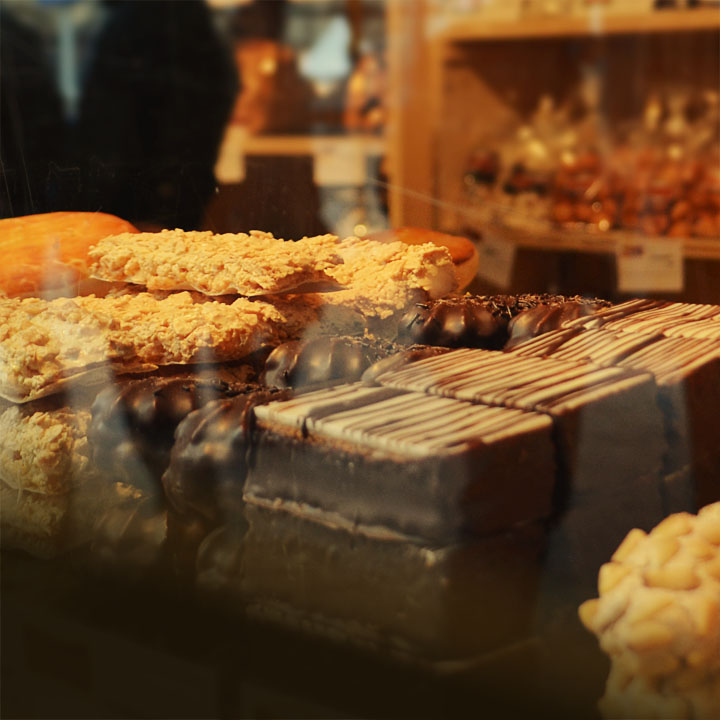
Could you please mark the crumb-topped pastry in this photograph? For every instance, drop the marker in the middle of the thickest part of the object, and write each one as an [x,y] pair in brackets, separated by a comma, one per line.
[382,279]
[44,343]
[658,617]
[250,264]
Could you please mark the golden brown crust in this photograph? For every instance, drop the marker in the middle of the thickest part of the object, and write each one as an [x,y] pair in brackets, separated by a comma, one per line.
[44,452]
[43,343]
[382,279]
[658,617]
[47,253]
[245,264]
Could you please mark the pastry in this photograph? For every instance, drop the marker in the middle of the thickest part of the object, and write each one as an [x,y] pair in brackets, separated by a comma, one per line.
[463,252]
[658,618]
[687,374]
[46,254]
[250,265]
[47,343]
[322,360]
[419,465]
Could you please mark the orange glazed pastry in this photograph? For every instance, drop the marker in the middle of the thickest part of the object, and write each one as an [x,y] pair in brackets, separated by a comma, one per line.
[47,253]
[462,251]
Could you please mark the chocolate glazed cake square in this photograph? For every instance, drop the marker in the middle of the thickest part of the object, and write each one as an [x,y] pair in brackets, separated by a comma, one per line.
[427,467]
[609,442]
[386,591]
[687,374]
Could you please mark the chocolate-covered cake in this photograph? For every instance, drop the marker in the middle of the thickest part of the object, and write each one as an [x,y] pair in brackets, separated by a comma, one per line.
[322,360]
[208,462]
[486,321]
[687,374]
[133,423]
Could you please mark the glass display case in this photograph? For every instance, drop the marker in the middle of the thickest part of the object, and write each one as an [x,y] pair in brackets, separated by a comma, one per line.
[360,358]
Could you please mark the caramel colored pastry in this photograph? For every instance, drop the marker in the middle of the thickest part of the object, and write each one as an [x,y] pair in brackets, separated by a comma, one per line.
[658,618]
[44,452]
[46,343]
[47,253]
[322,360]
[463,252]
[245,264]
[384,279]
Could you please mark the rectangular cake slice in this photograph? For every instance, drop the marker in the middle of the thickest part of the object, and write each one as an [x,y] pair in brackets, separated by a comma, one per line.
[424,466]
[601,416]
[244,264]
[397,596]
[687,373]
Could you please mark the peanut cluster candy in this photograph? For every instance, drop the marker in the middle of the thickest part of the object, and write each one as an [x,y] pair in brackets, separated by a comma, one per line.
[252,264]
[658,617]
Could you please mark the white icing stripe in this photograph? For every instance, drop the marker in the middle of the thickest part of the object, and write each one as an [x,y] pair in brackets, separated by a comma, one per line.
[509,379]
[410,424]
[669,359]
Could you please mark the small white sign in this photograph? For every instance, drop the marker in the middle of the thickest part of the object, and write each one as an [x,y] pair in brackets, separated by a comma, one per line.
[339,162]
[230,164]
[497,260]
[650,266]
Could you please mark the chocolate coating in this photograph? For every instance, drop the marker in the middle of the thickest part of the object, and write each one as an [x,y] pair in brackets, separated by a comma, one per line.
[208,462]
[544,318]
[133,423]
[453,323]
[400,360]
[322,360]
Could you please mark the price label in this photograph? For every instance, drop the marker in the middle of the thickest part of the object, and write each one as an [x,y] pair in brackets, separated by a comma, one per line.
[339,162]
[497,260]
[230,164]
[650,266]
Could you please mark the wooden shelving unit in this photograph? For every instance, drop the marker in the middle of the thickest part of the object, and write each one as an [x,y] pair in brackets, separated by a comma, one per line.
[477,28]
[459,82]
[289,145]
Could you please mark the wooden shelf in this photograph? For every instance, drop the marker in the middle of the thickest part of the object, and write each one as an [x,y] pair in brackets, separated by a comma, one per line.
[542,237]
[289,145]
[475,27]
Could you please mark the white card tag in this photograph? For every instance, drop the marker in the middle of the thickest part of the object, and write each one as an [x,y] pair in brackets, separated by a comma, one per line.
[497,260]
[230,164]
[339,161]
[650,266]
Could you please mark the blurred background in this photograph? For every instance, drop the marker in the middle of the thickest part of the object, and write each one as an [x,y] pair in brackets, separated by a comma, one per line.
[576,141]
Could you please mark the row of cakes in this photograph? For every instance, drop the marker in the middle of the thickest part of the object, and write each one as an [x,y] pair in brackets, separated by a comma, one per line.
[367,484]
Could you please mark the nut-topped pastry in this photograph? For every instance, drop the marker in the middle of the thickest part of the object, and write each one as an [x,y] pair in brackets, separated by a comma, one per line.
[658,617]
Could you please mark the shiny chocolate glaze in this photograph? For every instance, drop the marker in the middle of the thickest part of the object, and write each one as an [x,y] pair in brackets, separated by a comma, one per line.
[453,322]
[208,462]
[544,318]
[133,423]
[322,360]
